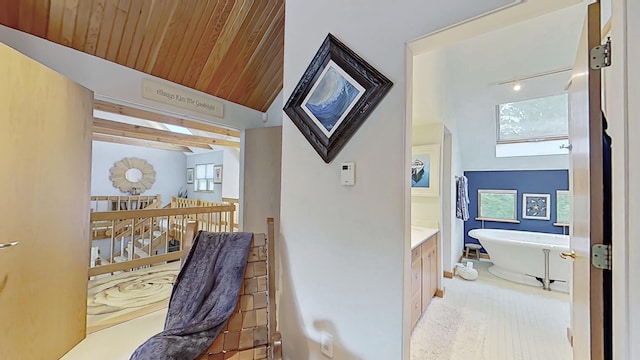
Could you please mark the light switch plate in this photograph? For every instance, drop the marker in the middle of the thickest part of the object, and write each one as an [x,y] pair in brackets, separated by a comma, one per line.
[348,173]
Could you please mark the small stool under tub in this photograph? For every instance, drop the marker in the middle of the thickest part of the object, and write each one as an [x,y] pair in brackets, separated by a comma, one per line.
[473,247]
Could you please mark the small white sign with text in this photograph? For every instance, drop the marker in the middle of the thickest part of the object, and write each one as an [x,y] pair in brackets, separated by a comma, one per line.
[173,96]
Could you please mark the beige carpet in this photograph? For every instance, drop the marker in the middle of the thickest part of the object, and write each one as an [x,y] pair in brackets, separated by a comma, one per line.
[493,319]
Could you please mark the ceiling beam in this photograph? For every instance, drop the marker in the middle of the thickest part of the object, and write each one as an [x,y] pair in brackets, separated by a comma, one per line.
[165,119]
[140,132]
[112,132]
[137,142]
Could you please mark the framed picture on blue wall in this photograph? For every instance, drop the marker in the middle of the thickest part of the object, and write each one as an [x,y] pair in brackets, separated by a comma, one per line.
[563,207]
[536,206]
[425,170]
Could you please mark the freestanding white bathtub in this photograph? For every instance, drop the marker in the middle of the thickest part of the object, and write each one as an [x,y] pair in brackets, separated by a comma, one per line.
[520,256]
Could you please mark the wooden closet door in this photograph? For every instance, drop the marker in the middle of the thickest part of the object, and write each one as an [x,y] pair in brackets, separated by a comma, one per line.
[45,153]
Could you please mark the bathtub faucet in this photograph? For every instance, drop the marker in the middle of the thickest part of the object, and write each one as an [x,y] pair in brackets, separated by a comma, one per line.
[546,283]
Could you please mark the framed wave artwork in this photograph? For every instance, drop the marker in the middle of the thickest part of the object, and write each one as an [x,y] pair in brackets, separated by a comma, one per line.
[336,94]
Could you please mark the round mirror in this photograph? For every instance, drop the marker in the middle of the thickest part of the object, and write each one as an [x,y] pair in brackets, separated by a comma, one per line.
[133,175]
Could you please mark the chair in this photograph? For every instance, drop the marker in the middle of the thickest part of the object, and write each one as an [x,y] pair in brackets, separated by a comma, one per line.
[476,251]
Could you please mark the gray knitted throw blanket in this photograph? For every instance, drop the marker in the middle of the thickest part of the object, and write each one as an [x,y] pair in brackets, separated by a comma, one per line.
[203,297]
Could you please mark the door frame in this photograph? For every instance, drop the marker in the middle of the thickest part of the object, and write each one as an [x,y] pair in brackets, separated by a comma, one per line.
[509,15]
[618,86]
[626,298]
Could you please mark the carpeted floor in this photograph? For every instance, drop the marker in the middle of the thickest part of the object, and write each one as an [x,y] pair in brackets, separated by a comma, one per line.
[493,319]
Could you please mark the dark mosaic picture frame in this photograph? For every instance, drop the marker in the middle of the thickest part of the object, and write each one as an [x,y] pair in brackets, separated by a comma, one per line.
[362,88]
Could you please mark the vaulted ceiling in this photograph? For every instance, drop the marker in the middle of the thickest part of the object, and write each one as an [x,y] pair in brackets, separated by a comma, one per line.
[232,49]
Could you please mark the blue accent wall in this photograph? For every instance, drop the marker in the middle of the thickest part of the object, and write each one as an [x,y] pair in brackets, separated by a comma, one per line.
[526,182]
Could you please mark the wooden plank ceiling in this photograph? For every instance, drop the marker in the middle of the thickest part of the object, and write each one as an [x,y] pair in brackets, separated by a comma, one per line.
[232,49]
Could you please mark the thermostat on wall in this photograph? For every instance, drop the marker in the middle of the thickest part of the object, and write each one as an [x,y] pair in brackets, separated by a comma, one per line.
[348,173]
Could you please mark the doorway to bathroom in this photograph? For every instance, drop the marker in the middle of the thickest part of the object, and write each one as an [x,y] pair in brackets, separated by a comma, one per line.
[465,87]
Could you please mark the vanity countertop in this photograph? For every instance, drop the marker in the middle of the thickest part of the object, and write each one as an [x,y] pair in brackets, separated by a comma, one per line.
[420,234]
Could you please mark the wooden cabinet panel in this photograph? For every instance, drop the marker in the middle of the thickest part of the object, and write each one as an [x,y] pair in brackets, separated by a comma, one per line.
[415,253]
[433,272]
[424,277]
[416,276]
[425,248]
[429,271]
[416,309]
[416,285]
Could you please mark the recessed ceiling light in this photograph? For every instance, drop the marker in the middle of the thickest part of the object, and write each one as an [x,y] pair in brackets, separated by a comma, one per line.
[517,86]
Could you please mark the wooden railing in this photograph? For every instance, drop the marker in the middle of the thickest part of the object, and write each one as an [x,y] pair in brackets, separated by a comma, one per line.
[140,238]
[119,203]
[257,300]
[275,338]
[236,203]
[177,202]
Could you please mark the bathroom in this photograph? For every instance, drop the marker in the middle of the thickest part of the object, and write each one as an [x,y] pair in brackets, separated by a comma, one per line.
[465,121]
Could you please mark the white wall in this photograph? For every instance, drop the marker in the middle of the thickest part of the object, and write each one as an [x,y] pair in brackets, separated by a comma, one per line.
[434,100]
[231,173]
[262,164]
[433,97]
[209,157]
[274,113]
[474,66]
[622,84]
[230,187]
[450,242]
[168,165]
[542,44]
[344,249]
[117,83]
[261,189]
[425,210]
[633,199]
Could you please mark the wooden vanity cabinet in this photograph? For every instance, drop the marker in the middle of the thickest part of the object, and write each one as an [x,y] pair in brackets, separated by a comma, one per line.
[429,271]
[416,285]
[424,276]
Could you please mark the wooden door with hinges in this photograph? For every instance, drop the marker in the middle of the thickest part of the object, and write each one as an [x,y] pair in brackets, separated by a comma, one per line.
[45,152]
[587,332]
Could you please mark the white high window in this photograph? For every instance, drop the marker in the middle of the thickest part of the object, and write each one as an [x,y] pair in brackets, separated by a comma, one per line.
[533,127]
[204,178]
